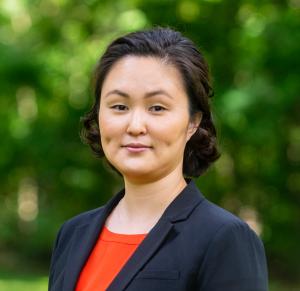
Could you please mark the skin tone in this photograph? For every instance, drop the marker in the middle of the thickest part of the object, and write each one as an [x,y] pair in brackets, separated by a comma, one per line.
[144,125]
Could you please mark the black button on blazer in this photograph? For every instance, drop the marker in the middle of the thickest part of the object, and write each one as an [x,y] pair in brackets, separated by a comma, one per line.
[195,245]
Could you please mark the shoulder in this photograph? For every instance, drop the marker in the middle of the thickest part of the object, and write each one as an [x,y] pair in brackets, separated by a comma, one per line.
[66,230]
[233,252]
[80,219]
[213,218]
[83,217]
[213,227]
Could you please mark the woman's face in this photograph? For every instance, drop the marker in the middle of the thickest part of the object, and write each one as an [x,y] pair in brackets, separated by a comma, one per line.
[144,118]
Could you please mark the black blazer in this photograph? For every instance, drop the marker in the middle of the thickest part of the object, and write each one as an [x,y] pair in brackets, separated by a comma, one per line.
[195,245]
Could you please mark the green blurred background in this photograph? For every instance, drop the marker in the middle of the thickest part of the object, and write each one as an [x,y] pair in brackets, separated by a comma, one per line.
[48,50]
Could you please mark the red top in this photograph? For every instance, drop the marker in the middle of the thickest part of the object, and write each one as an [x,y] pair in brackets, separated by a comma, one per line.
[111,252]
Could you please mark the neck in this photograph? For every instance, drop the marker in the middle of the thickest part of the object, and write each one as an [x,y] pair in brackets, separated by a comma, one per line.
[143,204]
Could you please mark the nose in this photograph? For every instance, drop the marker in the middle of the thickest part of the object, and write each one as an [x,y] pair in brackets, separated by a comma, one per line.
[136,123]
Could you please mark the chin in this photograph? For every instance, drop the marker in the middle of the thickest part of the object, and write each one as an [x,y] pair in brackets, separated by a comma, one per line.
[136,173]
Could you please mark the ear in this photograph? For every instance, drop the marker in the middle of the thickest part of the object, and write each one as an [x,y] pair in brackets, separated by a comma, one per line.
[193,125]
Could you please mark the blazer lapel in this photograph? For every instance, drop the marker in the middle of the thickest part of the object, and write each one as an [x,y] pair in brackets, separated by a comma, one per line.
[180,208]
[83,241]
[140,257]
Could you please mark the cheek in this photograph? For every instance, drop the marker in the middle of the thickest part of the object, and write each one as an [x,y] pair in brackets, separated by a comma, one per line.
[172,132]
[109,127]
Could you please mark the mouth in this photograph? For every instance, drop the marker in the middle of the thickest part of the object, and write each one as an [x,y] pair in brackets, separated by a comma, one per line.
[136,147]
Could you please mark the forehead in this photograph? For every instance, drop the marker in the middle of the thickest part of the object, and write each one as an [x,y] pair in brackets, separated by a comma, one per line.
[143,73]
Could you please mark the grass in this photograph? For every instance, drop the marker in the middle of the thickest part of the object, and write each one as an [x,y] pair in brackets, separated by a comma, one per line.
[277,286]
[10,282]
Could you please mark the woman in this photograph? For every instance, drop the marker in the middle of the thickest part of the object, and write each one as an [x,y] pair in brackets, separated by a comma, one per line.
[152,122]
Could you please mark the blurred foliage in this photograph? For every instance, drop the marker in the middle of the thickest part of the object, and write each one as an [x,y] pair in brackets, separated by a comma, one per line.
[48,49]
[14,282]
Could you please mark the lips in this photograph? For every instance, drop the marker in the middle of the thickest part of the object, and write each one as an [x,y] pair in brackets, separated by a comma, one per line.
[136,145]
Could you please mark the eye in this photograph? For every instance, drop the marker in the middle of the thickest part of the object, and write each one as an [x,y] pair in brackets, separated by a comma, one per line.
[119,107]
[157,108]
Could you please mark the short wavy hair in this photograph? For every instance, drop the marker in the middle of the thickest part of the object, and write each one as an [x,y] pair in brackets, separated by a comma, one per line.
[175,49]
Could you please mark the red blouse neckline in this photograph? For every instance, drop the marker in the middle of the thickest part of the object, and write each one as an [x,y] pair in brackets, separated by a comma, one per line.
[108,235]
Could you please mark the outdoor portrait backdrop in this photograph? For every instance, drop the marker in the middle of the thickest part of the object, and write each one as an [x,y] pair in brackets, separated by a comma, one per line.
[48,51]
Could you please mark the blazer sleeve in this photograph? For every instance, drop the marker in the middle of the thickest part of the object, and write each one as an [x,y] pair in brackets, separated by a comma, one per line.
[235,261]
[54,258]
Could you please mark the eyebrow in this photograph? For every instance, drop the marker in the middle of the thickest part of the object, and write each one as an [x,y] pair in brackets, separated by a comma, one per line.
[147,95]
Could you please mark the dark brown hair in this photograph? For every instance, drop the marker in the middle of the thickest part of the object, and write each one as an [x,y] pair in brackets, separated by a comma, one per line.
[177,50]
